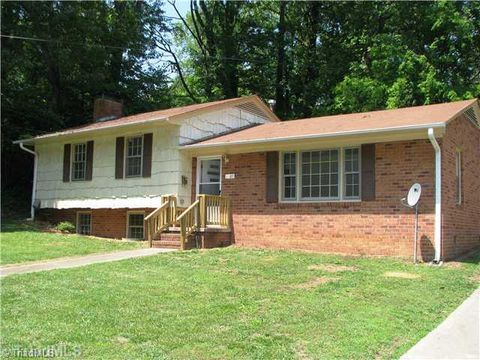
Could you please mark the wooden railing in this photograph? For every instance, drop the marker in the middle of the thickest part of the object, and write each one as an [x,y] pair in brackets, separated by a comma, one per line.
[206,211]
[162,217]
[189,223]
[215,210]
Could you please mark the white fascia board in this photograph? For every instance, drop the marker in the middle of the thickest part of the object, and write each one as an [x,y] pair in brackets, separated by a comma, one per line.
[80,131]
[318,136]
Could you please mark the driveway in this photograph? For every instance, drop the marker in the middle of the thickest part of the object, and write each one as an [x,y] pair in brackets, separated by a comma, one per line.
[457,338]
[77,261]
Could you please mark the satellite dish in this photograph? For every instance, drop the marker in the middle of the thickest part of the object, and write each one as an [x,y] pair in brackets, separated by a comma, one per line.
[414,194]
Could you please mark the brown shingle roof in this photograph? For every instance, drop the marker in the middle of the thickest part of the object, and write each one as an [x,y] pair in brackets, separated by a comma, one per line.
[383,120]
[171,113]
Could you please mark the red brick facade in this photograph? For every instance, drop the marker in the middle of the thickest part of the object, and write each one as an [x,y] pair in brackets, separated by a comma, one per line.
[111,223]
[460,222]
[379,227]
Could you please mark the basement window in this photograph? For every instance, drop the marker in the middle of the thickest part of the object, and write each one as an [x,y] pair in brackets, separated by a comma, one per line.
[134,156]
[458,176]
[84,223]
[79,162]
[135,226]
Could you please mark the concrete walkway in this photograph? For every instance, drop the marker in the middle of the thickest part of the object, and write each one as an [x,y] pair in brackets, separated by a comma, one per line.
[77,261]
[457,338]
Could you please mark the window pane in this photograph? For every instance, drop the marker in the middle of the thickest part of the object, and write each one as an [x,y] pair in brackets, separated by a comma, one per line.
[135,226]
[321,168]
[79,161]
[84,224]
[134,156]
[209,189]
[289,175]
[352,173]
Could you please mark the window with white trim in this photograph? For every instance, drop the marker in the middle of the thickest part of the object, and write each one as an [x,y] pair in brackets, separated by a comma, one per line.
[135,226]
[84,223]
[319,174]
[458,176]
[351,173]
[289,176]
[134,156]
[79,162]
[330,174]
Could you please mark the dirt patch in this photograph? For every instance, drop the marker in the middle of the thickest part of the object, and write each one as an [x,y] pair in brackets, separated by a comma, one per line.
[332,268]
[401,275]
[453,264]
[475,278]
[313,283]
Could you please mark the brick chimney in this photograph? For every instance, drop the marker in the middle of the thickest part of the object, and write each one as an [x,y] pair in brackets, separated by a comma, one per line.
[106,109]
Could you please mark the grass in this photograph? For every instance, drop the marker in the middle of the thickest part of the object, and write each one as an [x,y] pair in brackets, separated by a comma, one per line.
[234,304]
[23,242]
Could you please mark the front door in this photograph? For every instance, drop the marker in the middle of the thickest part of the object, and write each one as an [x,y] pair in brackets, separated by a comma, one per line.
[209,179]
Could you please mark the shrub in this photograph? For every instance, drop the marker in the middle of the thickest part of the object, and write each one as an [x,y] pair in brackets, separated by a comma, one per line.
[65,226]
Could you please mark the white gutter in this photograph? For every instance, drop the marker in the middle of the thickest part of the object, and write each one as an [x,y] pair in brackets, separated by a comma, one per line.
[34,186]
[199,145]
[438,195]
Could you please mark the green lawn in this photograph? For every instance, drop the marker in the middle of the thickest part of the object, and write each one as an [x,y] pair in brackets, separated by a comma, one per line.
[234,304]
[22,242]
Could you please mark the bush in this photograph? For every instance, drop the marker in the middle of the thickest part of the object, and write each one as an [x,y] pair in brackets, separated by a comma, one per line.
[65,226]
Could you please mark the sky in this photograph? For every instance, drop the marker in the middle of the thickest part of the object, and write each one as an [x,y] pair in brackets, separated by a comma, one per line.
[183,7]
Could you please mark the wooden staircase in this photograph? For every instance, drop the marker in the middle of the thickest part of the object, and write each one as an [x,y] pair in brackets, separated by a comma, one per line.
[171,227]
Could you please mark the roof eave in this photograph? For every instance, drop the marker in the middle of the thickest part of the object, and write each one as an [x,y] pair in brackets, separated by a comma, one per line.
[439,127]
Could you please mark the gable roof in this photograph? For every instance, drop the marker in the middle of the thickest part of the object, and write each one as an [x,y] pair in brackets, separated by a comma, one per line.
[410,118]
[248,103]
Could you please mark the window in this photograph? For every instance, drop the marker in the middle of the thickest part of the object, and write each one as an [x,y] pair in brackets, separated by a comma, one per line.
[290,176]
[330,174]
[79,163]
[134,155]
[84,223]
[135,225]
[320,174]
[352,173]
[458,175]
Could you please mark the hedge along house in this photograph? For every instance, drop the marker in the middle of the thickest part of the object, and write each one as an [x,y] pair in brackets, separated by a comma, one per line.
[230,171]
[334,183]
[107,176]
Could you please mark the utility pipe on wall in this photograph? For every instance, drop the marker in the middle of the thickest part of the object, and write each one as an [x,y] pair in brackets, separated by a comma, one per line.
[34,186]
[438,195]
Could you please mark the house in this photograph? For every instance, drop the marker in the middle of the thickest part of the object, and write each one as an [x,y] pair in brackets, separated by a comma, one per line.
[230,171]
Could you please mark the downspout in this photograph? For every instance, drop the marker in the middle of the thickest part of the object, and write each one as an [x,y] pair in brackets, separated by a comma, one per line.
[438,196]
[34,186]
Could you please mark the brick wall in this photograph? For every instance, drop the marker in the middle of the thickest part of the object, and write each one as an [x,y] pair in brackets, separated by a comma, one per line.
[379,227]
[110,223]
[461,223]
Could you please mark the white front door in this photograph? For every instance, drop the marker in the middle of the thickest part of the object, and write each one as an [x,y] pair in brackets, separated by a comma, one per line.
[209,178]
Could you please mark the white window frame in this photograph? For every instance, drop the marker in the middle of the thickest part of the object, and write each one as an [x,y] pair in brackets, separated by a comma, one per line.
[282,176]
[125,163]
[72,161]
[134,212]
[77,227]
[344,186]
[199,169]
[341,177]
[458,177]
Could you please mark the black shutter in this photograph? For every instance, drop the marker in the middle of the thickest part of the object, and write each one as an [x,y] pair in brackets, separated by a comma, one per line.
[147,155]
[272,177]
[368,172]
[120,145]
[67,148]
[88,175]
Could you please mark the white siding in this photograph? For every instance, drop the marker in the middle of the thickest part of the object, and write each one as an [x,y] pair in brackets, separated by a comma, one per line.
[216,122]
[168,165]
